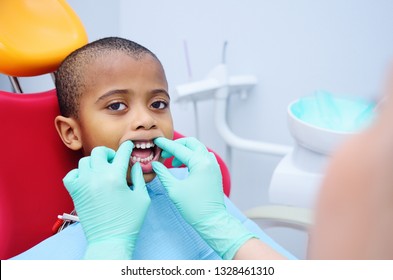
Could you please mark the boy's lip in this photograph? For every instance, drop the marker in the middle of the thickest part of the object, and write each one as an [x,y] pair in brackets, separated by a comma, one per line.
[145,152]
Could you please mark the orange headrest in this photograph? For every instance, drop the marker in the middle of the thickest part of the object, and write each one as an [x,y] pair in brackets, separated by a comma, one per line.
[35,36]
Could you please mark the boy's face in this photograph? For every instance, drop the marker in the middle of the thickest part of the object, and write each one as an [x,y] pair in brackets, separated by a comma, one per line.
[125,99]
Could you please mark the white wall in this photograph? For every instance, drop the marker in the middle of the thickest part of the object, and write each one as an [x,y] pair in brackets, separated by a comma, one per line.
[293,47]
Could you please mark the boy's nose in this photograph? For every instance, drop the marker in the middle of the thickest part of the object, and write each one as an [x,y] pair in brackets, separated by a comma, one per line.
[143,120]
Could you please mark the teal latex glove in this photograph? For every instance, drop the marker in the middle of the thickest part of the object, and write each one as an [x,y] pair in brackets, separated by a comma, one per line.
[111,213]
[200,197]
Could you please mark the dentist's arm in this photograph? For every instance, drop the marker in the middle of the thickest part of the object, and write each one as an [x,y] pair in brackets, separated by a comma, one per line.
[111,213]
[355,207]
[200,200]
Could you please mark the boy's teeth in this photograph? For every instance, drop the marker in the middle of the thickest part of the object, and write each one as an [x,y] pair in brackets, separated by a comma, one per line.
[147,145]
[149,158]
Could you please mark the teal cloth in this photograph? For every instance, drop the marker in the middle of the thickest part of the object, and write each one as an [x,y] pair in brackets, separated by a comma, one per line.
[164,235]
[340,114]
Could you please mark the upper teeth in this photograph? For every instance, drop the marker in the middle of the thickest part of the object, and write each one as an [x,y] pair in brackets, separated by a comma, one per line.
[146,145]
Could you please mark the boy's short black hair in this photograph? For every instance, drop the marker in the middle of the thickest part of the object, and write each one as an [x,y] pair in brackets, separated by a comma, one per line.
[69,78]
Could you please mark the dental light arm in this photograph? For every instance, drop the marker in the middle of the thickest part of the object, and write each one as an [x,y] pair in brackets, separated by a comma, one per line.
[235,141]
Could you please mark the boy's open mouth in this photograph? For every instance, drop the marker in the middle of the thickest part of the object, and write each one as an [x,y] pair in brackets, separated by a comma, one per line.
[144,152]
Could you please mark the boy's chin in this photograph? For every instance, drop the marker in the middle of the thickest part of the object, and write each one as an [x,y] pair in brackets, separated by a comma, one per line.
[149,177]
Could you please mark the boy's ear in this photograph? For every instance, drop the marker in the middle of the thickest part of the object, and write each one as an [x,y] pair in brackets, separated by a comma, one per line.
[69,132]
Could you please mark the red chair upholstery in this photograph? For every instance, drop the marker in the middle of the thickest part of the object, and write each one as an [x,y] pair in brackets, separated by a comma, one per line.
[33,163]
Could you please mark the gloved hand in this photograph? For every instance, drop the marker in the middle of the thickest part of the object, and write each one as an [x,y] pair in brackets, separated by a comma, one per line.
[200,197]
[111,213]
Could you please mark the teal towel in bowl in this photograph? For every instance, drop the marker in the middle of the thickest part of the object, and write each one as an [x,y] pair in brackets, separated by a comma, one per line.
[341,114]
[322,121]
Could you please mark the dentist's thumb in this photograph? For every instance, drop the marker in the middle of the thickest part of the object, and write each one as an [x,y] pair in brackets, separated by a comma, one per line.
[163,174]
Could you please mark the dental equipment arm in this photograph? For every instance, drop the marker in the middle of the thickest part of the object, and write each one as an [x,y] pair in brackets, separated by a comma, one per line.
[200,199]
[234,141]
[295,217]
[219,86]
[111,213]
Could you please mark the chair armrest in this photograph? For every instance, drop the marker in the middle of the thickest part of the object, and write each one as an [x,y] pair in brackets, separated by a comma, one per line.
[300,217]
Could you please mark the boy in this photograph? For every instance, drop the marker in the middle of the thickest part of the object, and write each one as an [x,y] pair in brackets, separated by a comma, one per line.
[113,96]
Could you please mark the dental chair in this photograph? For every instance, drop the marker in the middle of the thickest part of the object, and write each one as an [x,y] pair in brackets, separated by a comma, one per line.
[34,39]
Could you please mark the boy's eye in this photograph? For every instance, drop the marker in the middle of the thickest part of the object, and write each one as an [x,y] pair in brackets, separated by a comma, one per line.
[159,105]
[118,106]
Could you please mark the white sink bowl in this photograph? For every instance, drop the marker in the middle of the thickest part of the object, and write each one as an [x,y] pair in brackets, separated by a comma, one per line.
[322,129]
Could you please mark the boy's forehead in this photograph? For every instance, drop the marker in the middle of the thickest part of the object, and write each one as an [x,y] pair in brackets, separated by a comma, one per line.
[117,60]
[119,55]
[104,70]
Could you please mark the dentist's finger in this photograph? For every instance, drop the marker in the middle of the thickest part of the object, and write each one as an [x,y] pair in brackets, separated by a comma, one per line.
[165,154]
[176,162]
[84,163]
[189,142]
[179,151]
[166,178]
[69,181]
[138,182]
[122,157]
[192,143]
[101,156]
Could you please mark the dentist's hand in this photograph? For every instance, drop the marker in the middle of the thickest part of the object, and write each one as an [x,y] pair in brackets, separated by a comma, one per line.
[111,213]
[199,197]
